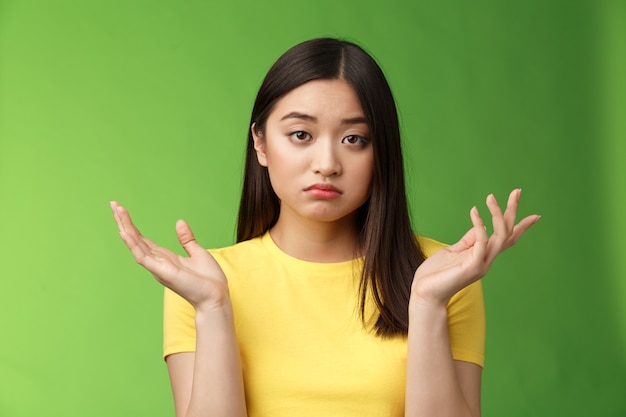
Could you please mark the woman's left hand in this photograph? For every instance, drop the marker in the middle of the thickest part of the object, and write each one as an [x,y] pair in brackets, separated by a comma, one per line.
[453,268]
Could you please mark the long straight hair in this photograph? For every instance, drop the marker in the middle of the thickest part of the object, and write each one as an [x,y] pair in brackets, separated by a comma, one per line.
[391,251]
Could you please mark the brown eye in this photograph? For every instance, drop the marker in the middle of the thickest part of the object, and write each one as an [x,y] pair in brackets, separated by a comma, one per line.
[354,140]
[300,136]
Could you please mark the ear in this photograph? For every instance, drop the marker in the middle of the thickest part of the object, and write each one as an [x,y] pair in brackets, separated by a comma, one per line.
[259,145]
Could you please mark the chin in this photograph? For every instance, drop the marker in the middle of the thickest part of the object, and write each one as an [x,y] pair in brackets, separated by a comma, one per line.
[330,217]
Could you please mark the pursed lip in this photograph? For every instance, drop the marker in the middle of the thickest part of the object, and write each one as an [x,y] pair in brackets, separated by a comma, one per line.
[324,187]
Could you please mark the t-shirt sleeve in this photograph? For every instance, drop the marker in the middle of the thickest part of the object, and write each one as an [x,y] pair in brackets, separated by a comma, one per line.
[466,316]
[466,324]
[179,328]
[466,320]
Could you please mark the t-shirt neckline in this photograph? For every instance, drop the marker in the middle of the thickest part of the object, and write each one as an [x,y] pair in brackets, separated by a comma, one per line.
[293,262]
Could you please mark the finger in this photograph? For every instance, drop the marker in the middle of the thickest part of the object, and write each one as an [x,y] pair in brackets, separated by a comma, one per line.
[147,254]
[500,230]
[522,227]
[132,242]
[127,226]
[480,246]
[128,231]
[466,242]
[116,216]
[155,264]
[511,208]
[478,263]
[162,263]
[187,239]
[122,217]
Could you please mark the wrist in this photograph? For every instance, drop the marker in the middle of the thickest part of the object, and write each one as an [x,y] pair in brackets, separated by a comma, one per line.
[427,307]
[213,301]
[212,311]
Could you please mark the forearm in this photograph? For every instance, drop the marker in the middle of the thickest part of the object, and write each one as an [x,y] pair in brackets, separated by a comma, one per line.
[433,387]
[217,377]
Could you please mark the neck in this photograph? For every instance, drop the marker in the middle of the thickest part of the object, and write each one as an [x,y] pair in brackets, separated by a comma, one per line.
[316,241]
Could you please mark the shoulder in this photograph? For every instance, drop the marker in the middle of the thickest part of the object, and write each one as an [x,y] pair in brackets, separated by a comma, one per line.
[241,250]
[429,246]
[244,258]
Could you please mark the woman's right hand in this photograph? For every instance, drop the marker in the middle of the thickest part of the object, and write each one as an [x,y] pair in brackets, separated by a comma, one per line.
[197,278]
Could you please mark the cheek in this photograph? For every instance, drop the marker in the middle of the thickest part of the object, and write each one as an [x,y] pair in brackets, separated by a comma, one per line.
[278,153]
[367,170]
[282,168]
[362,175]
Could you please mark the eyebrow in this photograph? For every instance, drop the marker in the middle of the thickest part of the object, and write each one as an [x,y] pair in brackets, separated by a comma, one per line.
[308,117]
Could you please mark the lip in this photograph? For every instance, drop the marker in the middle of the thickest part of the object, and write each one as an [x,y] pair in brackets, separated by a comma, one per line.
[324,191]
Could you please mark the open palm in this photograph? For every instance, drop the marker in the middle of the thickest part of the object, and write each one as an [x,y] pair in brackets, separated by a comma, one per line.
[450,269]
[197,278]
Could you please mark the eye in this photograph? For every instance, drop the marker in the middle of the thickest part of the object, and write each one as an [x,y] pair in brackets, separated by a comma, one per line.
[300,136]
[354,140]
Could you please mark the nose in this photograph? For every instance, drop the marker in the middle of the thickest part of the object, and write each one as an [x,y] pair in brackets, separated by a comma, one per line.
[325,159]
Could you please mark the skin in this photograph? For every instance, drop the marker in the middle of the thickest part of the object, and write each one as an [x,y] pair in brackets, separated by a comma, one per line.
[437,385]
[315,136]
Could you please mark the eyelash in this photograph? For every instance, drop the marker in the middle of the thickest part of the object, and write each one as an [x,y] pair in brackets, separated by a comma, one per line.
[360,140]
[294,136]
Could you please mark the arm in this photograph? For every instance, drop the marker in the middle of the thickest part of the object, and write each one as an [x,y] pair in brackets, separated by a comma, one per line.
[437,385]
[209,382]
[180,369]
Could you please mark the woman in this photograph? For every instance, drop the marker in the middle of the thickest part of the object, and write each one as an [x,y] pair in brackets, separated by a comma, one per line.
[328,305]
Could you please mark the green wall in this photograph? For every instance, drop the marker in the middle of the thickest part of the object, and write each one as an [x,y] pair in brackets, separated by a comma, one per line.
[147,102]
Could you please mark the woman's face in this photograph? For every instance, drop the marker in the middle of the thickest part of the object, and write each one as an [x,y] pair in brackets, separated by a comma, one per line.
[317,150]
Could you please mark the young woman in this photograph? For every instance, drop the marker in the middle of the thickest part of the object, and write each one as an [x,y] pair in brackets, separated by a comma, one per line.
[328,305]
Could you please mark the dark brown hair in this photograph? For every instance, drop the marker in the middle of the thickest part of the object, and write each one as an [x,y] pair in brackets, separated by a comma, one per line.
[392,254]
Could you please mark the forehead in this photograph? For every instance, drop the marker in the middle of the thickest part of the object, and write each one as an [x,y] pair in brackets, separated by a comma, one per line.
[320,99]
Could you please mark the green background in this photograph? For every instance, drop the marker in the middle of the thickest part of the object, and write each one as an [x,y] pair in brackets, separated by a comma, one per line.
[147,102]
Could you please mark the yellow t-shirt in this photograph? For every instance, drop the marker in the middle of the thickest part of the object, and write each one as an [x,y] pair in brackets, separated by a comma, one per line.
[304,349]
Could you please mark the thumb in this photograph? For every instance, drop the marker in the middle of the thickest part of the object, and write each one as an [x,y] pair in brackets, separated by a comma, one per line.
[187,239]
